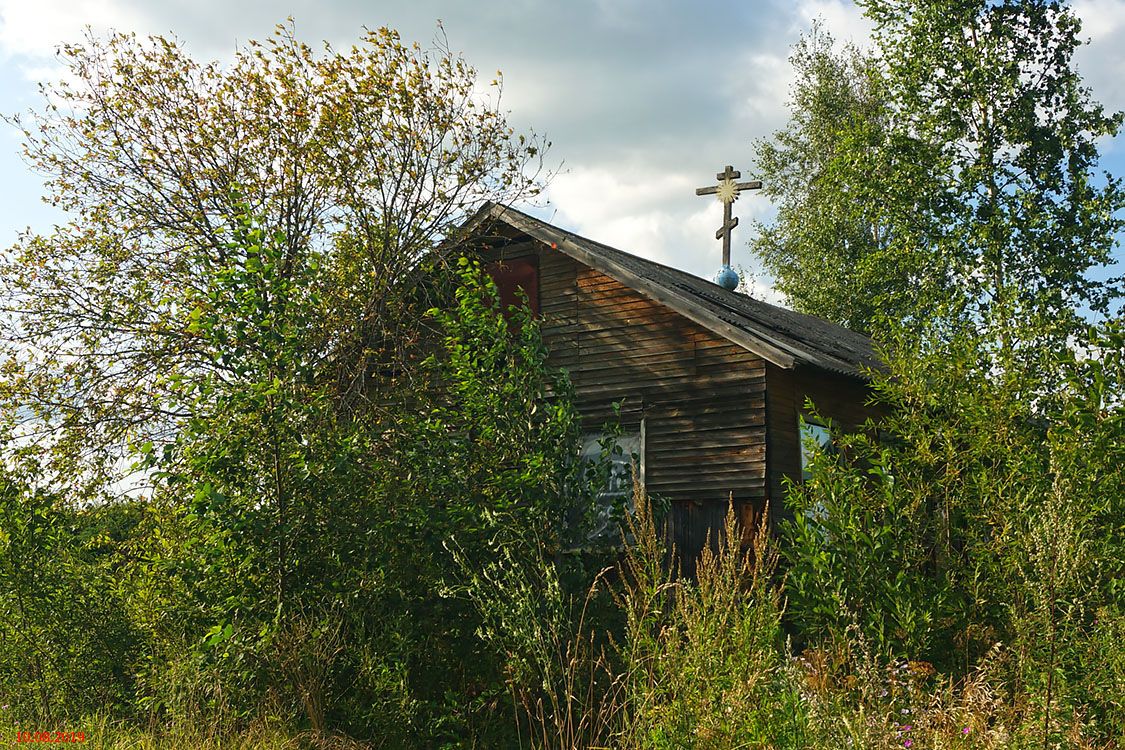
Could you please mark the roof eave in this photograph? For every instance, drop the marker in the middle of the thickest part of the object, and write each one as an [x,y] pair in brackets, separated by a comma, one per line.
[757,342]
[560,241]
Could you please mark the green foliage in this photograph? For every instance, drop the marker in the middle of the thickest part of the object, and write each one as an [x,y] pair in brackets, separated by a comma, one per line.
[365,158]
[502,425]
[673,663]
[479,459]
[974,517]
[553,643]
[703,660]
[66,646]
[296,559]
[309,551]
[985,507]
[953,172]
[832,249]
[992,88]
[264,354]
[249,484]
[859,552]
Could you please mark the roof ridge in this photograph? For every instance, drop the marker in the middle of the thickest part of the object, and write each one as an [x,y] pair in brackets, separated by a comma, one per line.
[779,334]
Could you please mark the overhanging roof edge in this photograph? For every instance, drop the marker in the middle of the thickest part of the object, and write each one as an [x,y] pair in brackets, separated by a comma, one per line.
[561,241]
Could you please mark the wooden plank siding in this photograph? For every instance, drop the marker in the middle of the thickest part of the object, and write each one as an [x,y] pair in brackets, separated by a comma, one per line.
[718,383]
[837,397]
[702,398]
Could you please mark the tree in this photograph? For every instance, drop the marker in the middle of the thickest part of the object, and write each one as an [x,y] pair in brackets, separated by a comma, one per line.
[961,160]
[363,159]
[830,248]
[984,508]
[302,555]
[240,302]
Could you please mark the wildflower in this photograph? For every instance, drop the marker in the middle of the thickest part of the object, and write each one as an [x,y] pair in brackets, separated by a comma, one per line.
[965,730]
[906,727]
[907,742]
[904,711]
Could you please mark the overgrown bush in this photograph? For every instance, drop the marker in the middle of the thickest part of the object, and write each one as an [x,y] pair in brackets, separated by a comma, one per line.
[705,658]
[983,513]
[295,564]
[67,646]
[288,520]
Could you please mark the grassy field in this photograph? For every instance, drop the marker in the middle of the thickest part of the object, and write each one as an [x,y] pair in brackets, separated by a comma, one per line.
[102,734]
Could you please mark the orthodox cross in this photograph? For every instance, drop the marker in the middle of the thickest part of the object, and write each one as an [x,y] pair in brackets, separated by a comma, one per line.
[727,191]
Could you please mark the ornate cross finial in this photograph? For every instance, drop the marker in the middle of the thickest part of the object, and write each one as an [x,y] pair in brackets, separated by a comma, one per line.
[727,191]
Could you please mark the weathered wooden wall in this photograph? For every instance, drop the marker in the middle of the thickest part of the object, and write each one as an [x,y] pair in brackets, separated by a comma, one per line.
[719,421]
[836,397]
[701,397]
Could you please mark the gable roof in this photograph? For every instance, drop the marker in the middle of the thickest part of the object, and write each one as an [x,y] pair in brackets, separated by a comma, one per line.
[783,337]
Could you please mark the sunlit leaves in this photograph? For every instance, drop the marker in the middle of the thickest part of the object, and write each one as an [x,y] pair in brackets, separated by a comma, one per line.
[952,171]
[364,159]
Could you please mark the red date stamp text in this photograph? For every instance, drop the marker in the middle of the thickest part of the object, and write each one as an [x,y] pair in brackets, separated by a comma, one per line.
[22,737]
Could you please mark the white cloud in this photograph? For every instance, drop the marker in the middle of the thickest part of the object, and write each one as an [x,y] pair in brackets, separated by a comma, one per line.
[1102,61]
[598,193]
[1100,18]
[34,29]
[844,19]
[619,14]
[626,207]
[762,96]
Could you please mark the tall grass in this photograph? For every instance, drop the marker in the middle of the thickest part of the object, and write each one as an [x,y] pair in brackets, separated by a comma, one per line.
[102,733]
[704,663]
[704,658]
[643,658]
[674,663]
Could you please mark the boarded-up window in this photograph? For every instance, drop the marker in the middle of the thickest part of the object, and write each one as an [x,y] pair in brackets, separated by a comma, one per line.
[513,275]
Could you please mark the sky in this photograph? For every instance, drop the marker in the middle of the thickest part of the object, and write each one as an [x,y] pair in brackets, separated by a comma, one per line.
[643,100]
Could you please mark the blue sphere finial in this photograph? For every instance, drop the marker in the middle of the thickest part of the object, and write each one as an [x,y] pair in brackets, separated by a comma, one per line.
[727,278]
